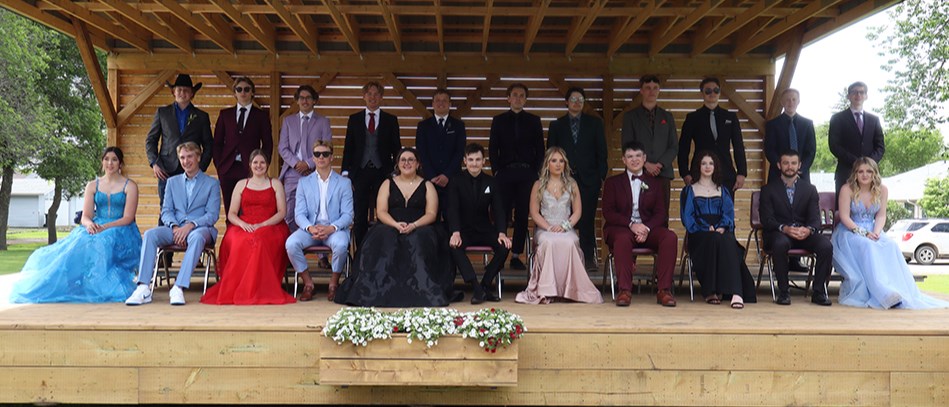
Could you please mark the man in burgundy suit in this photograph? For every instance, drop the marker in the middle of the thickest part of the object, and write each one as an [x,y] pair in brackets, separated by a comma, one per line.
[239,131]
[634,212]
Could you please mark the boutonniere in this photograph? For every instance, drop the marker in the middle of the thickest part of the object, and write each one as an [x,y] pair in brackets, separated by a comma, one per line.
[190,118]
[663,121]
[643,185]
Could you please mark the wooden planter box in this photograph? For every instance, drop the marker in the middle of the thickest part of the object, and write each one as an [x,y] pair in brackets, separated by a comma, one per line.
[455,361]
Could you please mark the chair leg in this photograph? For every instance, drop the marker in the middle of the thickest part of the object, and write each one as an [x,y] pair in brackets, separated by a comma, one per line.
[691,284]
[610,263]
[811,264]
[774,297]
[158,253]
[296,283]
[207,271]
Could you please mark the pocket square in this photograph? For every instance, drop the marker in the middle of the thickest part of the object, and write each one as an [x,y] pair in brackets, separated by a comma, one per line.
[487,190]
[728,121]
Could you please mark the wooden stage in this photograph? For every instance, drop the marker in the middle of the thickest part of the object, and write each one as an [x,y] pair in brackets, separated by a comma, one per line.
[573,354]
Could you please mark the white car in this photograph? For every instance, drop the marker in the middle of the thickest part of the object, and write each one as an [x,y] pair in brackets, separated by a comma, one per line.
[923,240]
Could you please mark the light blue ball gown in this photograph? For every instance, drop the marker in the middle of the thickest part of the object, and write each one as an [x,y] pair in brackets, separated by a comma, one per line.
[84,267]
[875,272]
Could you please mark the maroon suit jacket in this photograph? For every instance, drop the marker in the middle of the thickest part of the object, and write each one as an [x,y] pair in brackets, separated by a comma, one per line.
[227,143]
[618,204]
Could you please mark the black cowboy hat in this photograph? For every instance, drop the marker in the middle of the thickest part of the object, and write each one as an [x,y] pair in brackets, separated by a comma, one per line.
[185,80]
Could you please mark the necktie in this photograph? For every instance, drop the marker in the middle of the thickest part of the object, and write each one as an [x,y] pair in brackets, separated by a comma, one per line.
[713,125]
[441,122]
[575,128]
[792,135]
[859,117]
[372,122]
[240,120]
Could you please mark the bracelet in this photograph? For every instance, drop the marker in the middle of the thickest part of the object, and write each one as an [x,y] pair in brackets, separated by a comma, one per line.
[566,225]
[860,231]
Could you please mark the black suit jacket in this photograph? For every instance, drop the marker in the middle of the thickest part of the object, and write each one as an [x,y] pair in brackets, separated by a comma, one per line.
[440,148]
[472,211]
[228,144]
[775,209]
[516,138]
[778,139]
[163,138]
[848,144]
[388,146]
[588,155]
[696,128]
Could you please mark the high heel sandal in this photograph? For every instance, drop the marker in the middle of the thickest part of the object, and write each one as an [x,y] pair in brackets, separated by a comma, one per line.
[737,302]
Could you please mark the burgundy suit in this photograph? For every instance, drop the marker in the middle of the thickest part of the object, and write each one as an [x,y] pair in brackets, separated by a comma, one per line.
[617,214]
[229,143]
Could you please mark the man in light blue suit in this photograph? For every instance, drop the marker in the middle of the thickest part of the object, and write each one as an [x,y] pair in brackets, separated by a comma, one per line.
[324,213]
[190,209]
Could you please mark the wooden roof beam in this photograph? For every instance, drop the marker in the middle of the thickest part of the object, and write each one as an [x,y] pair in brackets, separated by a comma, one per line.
[739,101]
[632,25]
[683,25]
[91,62]
[319,85]
[264,34]
[487,28]
[777,29]
[225,40]
[143,97]
[140,42]
[394,28]
[35,13]
[583,24]
[474,98]
[704,42]
[136,16]
[343,24]
[406,94]
[303,27]
[533,25]
[787,72]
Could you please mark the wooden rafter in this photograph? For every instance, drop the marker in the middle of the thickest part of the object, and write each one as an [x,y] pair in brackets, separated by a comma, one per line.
[35,13]
[136,16]
[474,98]
[589,107]
[583,24]
[262,31]
[704,42]
[301,25]
[487,27]
[787,72]
[224,77]
[440,27]
[225,40]
[739,101]
[407,94]
[683,25]
[143,97]
[631,26]
[99,85]
[533,26]
[319,85]
[392,25]
[779,28]
[343,24]
[136,40]
[608,105]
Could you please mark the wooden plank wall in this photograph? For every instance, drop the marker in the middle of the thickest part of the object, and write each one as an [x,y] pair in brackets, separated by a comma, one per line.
[343,95]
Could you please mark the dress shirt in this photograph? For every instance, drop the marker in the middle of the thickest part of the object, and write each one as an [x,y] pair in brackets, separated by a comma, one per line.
[322,217]
[376,113]
[441,120]
[182,116]
[190,182]
[636,187]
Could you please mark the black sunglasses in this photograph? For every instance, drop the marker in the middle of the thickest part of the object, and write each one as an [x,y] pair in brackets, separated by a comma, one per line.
[709,91]
[322,154]
[242,89]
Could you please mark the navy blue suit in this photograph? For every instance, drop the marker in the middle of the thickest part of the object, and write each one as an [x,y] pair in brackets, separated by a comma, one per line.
[777,139]
[441,149]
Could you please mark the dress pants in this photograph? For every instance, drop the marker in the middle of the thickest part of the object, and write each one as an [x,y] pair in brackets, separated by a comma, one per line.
[338,242]
[290,180]
[162,236]
[365,190]
[779,244]
[464,263]
[229,182]
[661,240]
[586,226]
[515,185]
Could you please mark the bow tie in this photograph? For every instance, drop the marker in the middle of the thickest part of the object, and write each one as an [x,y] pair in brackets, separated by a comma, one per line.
[636,177]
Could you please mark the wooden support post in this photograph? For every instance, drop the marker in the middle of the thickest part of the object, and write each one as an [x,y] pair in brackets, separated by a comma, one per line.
[88,54]
[112,136]
[275,120]
[143,97]
[787,72]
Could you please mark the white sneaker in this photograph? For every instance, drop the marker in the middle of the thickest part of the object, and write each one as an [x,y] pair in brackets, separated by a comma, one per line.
[141,295]
[176,296]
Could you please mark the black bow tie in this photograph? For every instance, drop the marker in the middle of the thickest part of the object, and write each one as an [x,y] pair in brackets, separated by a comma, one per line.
[636,177]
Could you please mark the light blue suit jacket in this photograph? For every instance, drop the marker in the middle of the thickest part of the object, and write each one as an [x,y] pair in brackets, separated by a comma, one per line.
[204,208]
[339,206]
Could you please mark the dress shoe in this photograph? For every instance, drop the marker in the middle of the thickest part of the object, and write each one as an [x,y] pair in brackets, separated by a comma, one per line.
[141,295]
[820,299]
[307,294]
[490,294]
[331,293]
[784,298]
[176,296]
[517,264]
[624,298]
[665,298]
[477,298]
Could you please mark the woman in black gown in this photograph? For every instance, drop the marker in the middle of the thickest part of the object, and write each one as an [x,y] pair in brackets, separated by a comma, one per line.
[708,214]
[403,260]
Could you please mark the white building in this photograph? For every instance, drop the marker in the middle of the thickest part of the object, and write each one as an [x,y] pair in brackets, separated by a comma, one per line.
[908,187]
[30,199]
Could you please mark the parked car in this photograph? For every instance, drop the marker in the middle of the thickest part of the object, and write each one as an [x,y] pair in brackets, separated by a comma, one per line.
[923,240]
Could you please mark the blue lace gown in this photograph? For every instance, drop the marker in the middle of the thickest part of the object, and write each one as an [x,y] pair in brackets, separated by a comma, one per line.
[875,273]
[84,267]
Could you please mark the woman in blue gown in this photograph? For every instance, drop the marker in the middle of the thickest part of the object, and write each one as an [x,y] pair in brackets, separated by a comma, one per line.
[874,270]
[98,261]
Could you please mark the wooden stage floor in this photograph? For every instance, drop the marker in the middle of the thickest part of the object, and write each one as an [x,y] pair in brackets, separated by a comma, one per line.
[573,354]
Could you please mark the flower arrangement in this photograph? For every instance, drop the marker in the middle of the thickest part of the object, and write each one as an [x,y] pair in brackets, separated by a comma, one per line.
[492,328]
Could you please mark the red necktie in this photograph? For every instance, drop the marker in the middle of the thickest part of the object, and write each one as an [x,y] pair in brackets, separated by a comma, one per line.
[372,122]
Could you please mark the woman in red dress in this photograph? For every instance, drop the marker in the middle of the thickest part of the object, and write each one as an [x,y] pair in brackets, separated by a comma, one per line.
[253,259]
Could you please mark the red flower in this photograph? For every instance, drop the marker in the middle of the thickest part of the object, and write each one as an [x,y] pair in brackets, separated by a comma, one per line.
[459,321]
[492,310]
[663,121]
[482,330]
[395,329]
[495,350]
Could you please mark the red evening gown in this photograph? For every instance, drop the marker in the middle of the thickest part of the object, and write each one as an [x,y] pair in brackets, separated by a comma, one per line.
[252,264]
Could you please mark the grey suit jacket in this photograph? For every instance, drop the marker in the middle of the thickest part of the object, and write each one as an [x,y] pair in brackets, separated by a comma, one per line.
[163,138]
[291,140]
[661,141]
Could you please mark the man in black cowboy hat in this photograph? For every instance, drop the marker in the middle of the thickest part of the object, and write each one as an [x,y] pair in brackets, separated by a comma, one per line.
[175,124]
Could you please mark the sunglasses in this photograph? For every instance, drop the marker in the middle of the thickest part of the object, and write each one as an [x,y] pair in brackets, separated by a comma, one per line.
[323,154]
[242,89]
[710,91]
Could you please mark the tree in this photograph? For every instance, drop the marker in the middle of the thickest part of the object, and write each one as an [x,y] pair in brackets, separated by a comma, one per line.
[907,149]
[895,211]
[935,199]
[823,159]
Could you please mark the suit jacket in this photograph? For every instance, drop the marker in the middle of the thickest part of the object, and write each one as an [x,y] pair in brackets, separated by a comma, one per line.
[661,141]
[516,138]
[441,148]
[229,144]
[203,209]
[848,144]
[389,142]
[475,208]
[291,139]
[165,128]
[618,203]
[696,128]
[778,138]
[588,155]
[775,210]
[339,207]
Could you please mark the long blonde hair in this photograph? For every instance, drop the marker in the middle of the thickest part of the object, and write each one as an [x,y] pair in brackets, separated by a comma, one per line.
[876,189]
[544,176]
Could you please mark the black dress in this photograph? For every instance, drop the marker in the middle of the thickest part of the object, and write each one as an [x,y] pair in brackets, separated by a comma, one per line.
[717,258]
[395,270]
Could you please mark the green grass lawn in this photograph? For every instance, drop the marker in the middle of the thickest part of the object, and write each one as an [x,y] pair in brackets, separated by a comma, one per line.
[937,283]
[12,260]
